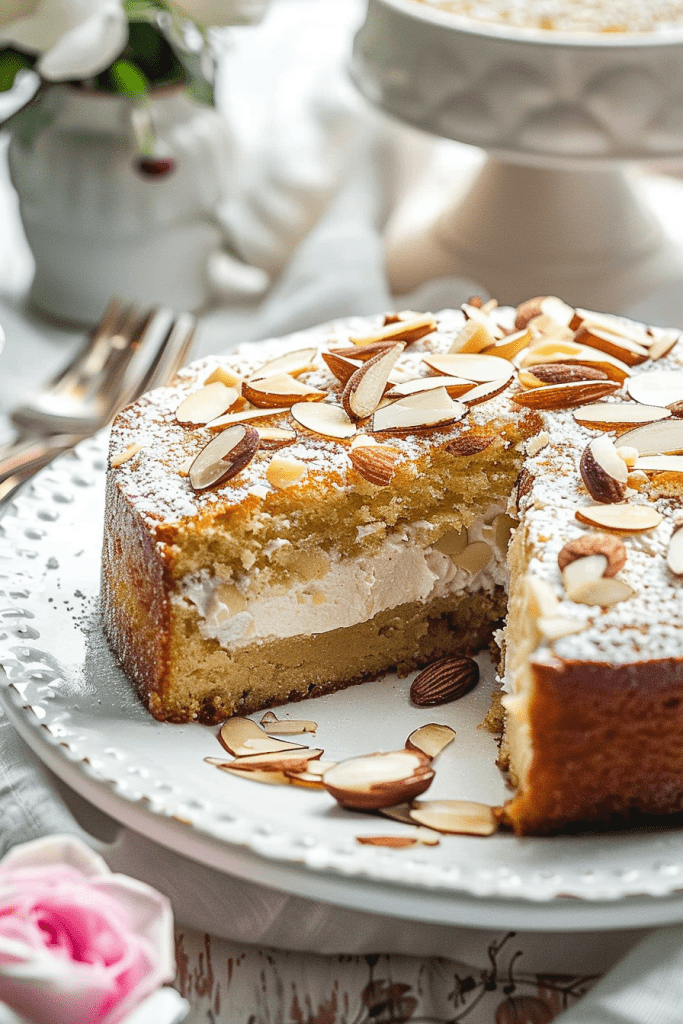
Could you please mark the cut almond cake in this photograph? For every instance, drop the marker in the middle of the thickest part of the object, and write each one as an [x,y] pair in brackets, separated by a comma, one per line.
[304,514]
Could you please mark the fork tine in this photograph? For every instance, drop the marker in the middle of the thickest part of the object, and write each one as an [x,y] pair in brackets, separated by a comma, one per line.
[172,354]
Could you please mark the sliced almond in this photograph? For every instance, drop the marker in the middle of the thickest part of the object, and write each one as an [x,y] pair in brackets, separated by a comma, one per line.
[664,341]
[395,842]
[582,355]
[544,305]
[661,464]
[616,345]
[416,412]
[224,457]
[459,817]
[325,419]
[455,386]
[361,353]
[290,727]
[238,735]
[618,415]
[312,777]
[484,319]
[268,778]
[539,597]
[580,571]
[375,463]
[558,373]
[674,555]
[431,739]
[204,405]
[663,438]
[474,558]
[400,330]
[483,392]
[224,375]
[611,547]
[363,391]
[341,367]
[564,396]
[379,780]
[510,346]
[658,387]
[622,518]
[292,363]
[603,591]
[277,761]
[603,471]
[122,457]
[276,437]
[444,680]
[283,472]
[676,409]
[472,337]
[479,368]
[278,390]
[554,627]
[268,745]
[611,323]
[468,444]
[231,418]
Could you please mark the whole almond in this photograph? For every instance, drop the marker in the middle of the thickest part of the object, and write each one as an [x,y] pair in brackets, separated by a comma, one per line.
[444,680]
[375,463]
[595,544]
[564,396]
[565,373]
[467,444]
[603,471]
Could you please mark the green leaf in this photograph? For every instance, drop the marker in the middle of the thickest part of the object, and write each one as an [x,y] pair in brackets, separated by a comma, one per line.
[140,10]
[11,63]
[127,79]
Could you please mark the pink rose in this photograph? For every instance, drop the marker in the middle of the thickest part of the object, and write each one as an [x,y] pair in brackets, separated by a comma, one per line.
[78,944]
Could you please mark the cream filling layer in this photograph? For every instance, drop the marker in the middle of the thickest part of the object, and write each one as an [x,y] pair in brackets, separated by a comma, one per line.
[353,590]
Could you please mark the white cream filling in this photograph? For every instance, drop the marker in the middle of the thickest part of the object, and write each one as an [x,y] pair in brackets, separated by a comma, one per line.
[352,591]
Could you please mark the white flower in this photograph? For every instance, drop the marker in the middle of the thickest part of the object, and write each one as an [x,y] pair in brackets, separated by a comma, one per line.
[74,38]
[219,13]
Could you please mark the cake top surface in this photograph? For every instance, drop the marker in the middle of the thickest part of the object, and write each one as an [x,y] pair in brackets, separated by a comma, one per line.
[583,394]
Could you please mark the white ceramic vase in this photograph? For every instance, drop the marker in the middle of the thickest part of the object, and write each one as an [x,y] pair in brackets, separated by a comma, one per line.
[96,225]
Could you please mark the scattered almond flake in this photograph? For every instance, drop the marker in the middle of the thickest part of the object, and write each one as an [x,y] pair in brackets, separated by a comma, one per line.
[421,411]
[656,387]
[612,415]
[510,346]
[289,727]
[361,440]
[663,343]
[238,736]
[662,438]
[589,544]
[485,392]
[401,330]
[284,472]
[240,417]
[292,363]
[210,402]
[553,627]
[537,443]
[392,842]
[674,554]
[431,739]
[131,450]
[280,390]
[613,344]
[660,464]
[365,387]
[453,385]
[268,778]
[275,436]
[479,368]
[380,779]
[473,337]
[459,817]
[224,456]
[624,518]
[224,375]
[324,419]
[291,759]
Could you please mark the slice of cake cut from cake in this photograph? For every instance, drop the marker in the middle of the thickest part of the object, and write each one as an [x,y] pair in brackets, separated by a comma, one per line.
[304,514]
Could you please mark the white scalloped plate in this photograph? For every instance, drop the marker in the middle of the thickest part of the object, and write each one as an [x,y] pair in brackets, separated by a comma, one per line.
[63,691]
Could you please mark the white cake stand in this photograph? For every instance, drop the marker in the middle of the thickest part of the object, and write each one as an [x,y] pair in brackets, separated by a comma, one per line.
[558,206]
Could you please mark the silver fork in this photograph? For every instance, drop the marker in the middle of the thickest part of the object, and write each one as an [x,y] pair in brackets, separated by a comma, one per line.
[129,352]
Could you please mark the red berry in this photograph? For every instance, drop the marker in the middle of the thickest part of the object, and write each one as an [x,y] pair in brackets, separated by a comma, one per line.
[155,166]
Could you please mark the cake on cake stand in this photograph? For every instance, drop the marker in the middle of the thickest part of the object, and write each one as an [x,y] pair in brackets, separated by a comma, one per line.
[569,123]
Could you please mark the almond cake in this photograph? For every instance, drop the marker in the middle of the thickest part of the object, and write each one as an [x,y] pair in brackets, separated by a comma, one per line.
[306,513]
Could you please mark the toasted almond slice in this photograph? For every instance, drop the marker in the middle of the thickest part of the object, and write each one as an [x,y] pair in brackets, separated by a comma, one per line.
[617,415]
[268,778]
[279,390]
[473,336]
[231,418]
[558,373]
[444,680]
[268,745]
[603,471]
[662,438]
[455,386]
[460,817]
[554,627]
[674,555]
[479,368]
[340,366]
[400,330]
[660,464]
[226,376]
[224,456]
[539,597]
[398,812]
[483,392]
[615,345]
[582,355]
[629,455]
[509,346]
[283,472]
[611,547]
[424,410]
[122,457]
[394,842]
[431,739]
[484,319]
[609,322]
[468,444]
[375,463]
[292,363]
[204,405]
[276,437]
[580,571]
[564,396]
[676,409]
[294,760]
[622,518]
[603,591]
[325,419]
[289,727]
[544,305]
[235,732]
[380,779]
[658,387]
[318,768]
[664,341]
[361,353]
[364,389]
